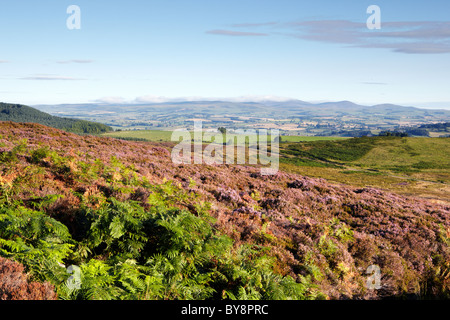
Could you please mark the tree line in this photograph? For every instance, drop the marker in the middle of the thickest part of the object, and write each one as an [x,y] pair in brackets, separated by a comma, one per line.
[22,113]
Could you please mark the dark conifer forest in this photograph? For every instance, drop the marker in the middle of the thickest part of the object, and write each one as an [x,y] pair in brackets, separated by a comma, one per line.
[22,113]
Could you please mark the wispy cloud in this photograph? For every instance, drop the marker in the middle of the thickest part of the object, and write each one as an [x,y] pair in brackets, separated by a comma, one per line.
[252,98]
[251,25]
[411,37]
[153,99]
[4,61]
[111,100]
[421,37]
[236,33]
[50,78]
[75,61]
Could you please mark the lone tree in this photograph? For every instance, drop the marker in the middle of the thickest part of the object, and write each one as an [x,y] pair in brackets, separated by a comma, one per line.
[222,130]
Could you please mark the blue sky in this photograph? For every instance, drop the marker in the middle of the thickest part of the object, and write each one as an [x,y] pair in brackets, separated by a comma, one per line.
[145,51]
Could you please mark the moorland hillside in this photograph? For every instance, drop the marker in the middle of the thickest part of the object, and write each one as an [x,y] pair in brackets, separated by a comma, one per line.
[141,227]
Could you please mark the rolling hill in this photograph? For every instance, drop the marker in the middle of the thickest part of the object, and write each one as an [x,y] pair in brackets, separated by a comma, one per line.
[291,117]
[22,113]
[407,165]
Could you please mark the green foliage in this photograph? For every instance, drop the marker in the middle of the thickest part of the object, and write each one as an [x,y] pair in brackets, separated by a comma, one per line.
[126,252]
[311,268]
[11,156]
[444,235]
[117,172]
[39,154]
[34,239]
[116,230]
[45,202]
[168,194]
[341,231]
[88,171]
[248,275]
[326,246]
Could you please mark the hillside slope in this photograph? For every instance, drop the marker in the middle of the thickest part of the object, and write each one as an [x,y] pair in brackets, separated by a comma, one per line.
[21,113]
[409,166]
[119,208]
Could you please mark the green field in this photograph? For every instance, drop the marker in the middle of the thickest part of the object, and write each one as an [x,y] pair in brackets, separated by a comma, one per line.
[148,135]
[312,138]
[159,135]
[412,166]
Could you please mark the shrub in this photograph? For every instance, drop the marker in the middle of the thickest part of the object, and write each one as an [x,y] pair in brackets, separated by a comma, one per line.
[34,239]
[11,156]
[39,154]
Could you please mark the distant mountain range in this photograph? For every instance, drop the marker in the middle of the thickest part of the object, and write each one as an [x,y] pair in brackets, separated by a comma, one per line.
[294,115]
[22,113]
[291,108]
